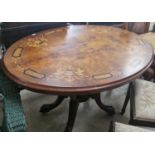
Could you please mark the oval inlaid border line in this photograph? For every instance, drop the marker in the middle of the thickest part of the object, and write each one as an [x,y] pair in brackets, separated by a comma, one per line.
[17,52]
[102,76]
[34,74]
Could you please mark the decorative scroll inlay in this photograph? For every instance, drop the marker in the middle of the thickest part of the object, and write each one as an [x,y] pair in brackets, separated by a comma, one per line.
[102,76]
[33,74]
[69,74]
[17,52]
[77,57]
[37,41]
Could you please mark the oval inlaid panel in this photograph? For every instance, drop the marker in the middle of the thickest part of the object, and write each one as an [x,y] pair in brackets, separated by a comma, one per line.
[77,59]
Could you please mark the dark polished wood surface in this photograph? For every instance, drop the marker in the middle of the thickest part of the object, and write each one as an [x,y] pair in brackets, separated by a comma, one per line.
[77,59]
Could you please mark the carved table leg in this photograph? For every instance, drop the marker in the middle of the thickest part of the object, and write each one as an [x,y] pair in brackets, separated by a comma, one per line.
[109,109]
[47,107]
[73,107]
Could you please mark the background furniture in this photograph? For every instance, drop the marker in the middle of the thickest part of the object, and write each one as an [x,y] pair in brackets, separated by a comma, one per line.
[120,127]
[138,27]
[13,115]
[142,103]
[114,24]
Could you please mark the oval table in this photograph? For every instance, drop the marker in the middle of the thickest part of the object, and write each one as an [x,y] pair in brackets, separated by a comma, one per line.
[77,61]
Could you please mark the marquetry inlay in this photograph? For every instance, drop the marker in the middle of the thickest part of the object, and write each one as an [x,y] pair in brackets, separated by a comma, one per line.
[102,76]
[77,58]
[17,52]
[33,73]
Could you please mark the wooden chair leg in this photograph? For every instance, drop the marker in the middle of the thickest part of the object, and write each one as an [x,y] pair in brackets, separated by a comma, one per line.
[126,100]
[132,100]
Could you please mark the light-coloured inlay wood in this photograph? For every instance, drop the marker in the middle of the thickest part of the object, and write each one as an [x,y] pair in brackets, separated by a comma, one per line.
[17,52]
[34,74]
[102,76]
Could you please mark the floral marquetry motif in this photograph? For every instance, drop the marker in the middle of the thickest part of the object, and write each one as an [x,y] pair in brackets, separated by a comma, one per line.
[77,59]
[36,41]
[69,75]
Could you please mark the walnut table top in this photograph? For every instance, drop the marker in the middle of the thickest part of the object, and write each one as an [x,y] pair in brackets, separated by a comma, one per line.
[77,59]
